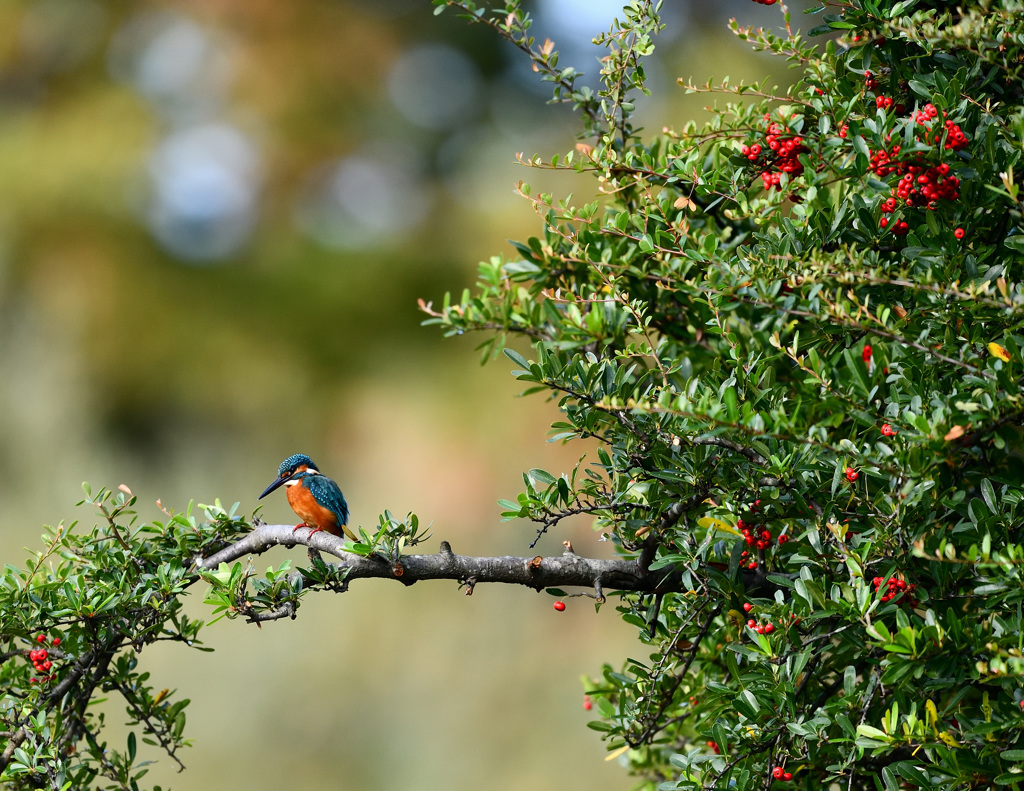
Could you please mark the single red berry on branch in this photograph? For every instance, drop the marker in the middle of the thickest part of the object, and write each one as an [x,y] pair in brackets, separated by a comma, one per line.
[41,638]
[748,607]
[959,233]
[866,353]
[787,776]
[777,772]
[587,705]
[559,605]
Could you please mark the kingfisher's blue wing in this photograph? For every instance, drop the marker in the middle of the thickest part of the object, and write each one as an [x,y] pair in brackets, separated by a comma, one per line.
[326,492]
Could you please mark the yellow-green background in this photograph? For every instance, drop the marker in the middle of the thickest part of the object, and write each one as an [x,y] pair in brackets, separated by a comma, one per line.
[123,362]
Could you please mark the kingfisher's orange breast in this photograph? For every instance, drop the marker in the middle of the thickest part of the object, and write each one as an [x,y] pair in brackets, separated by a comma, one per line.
[310,511]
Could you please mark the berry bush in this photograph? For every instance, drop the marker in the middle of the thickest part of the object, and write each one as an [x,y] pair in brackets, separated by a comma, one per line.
[791,341]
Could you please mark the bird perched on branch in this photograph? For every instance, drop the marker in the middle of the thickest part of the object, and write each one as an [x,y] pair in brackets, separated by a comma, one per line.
[313,496]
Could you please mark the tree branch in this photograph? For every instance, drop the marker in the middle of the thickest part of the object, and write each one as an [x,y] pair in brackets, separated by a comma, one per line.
[567,569]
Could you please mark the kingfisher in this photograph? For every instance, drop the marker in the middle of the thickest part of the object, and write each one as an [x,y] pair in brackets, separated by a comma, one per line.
[313,496]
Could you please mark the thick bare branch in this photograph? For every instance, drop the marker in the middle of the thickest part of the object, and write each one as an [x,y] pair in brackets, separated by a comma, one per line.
[567,569]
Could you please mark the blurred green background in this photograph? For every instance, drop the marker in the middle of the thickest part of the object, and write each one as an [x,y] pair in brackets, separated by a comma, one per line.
[215,221]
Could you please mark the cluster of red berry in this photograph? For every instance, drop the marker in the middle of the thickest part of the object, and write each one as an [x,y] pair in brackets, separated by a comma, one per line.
[887,103]
[40,660]
[888,431]
[865,354]
[761,539]
[921,185]
[779,773]
[851,474]
[765,628]
[785,147]
[956,140]
[898,590]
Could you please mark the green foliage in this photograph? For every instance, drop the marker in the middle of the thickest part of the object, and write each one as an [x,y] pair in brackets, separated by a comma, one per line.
[92,599]
[750,338]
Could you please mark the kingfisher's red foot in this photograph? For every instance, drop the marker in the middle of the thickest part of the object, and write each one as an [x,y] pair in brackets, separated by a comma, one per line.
[312,528]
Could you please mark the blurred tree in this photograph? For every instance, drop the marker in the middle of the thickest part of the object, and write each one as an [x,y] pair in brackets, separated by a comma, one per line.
[793,333]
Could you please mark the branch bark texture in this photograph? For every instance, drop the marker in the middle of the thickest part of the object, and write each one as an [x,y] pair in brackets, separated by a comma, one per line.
[567,569]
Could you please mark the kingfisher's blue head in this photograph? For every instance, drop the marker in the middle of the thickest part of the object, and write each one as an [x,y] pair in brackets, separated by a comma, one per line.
[293,463]
[293,467]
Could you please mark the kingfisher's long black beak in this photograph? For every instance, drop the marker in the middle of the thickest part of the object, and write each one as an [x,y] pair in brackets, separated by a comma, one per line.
[277,482]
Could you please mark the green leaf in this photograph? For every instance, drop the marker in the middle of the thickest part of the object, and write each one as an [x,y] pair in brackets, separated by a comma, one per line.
[517,358]
[542,476]
[988,493]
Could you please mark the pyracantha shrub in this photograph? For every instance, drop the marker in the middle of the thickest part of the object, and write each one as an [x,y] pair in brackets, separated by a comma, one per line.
[729,322]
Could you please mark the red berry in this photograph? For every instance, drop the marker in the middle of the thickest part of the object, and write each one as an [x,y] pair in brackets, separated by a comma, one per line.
[587,705]
[47,665]
[777,772]
[752,564]
[759,629]
[959,233]
[56,641]
[768,629]
[752,623]
[887,430]
[783,539]
[851,474]
[559,605]
[41,638]
[748,607]
[787,776]
[866,353]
